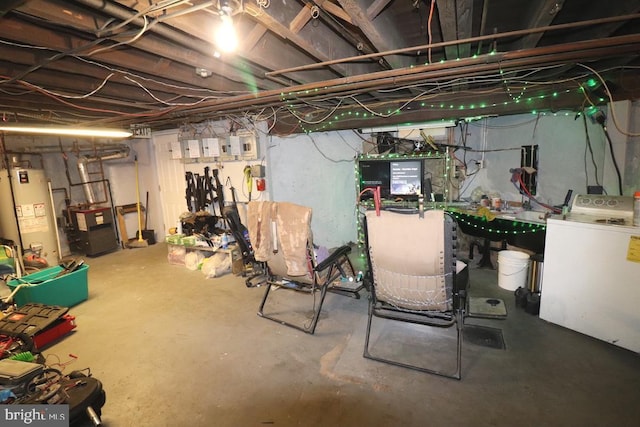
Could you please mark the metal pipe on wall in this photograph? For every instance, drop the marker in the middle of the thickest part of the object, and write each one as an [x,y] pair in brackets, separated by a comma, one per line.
[83,164]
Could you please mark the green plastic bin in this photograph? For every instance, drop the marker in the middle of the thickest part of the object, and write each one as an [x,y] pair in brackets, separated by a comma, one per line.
[44,288]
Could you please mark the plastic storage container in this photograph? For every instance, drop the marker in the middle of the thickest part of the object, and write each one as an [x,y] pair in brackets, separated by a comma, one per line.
[512,269]
[44,288]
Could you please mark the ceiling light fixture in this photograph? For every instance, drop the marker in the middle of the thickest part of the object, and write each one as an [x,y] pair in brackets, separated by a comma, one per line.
[409,126]
[44,130]
[225,38]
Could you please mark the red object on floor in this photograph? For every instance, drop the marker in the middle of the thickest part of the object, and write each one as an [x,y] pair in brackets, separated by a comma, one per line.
[58,329]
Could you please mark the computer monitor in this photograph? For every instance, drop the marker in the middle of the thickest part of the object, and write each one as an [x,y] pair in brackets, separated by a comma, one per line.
[374,173]
[406,178]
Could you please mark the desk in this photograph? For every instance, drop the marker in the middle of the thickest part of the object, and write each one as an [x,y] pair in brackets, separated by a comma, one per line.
[523,234]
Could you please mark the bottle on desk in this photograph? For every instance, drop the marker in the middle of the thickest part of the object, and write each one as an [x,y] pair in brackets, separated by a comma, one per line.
[224,241]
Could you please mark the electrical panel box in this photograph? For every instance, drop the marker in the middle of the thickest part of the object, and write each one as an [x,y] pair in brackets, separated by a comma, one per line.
[235,148]
[211,147]
[192,147]
[248,145]
[176,150]
[257,171]
[243,145]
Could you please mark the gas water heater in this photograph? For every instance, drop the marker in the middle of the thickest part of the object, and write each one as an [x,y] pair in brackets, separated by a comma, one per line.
[26,214]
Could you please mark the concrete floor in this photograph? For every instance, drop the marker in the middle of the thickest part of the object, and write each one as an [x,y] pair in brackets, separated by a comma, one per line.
[175,349]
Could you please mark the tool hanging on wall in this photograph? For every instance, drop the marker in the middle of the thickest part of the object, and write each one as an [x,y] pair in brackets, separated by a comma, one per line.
[203,191]
[248,180]
[219,192]
[190,192]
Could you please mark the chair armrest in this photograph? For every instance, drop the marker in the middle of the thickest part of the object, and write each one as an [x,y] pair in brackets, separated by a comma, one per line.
[333,257]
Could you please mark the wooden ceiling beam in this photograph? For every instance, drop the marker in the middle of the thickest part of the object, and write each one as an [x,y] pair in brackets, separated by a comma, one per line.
[335,10]
[381,33]
[193,52]
[320,43]
[544,15]
[456,24]
[301,19]
[158,67]
[376,7]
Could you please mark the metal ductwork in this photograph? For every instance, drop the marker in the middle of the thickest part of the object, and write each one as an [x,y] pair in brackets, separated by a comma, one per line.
[85,174]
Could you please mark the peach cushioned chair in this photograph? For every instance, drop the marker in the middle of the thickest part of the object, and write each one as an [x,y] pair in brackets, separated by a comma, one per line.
[280,233]
[415,277]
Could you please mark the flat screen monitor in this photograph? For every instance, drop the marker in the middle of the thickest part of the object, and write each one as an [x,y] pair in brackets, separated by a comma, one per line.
[374,173]
[405,178]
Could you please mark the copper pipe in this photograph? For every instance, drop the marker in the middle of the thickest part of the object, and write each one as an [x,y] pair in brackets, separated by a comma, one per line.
[510,60]
[576,51]
[514,33]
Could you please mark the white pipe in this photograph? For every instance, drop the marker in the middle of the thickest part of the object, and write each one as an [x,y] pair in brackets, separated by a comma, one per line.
[55,221]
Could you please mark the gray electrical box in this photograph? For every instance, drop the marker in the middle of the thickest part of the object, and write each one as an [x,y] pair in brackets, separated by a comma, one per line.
[257,171]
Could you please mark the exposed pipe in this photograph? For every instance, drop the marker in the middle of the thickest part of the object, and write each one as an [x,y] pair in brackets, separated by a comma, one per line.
[394,78]
[55,220]
[576,51]
[39,150]
[515,33]
[183,39]
[83,169]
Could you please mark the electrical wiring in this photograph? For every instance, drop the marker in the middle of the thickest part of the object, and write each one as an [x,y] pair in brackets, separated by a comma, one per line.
[144,29]
[101,110]
[346,143]
[422,95]
[158,82]
[200,101]
[590,149]
[613,159]
[324,155]
[611,101]
[108,31]
[314,122]
[510,126]
[18,77]
[86,95]
[518,80]
[127,73]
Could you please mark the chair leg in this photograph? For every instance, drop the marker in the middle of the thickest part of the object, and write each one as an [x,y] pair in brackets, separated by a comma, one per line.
[316,316]
[366,353]
[457,373]
[314,320]
[459,326]
[264,299]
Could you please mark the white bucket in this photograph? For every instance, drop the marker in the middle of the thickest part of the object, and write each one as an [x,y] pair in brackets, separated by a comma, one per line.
[512,269]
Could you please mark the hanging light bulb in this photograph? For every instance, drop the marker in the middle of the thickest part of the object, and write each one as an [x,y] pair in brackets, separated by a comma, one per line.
[226,39]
